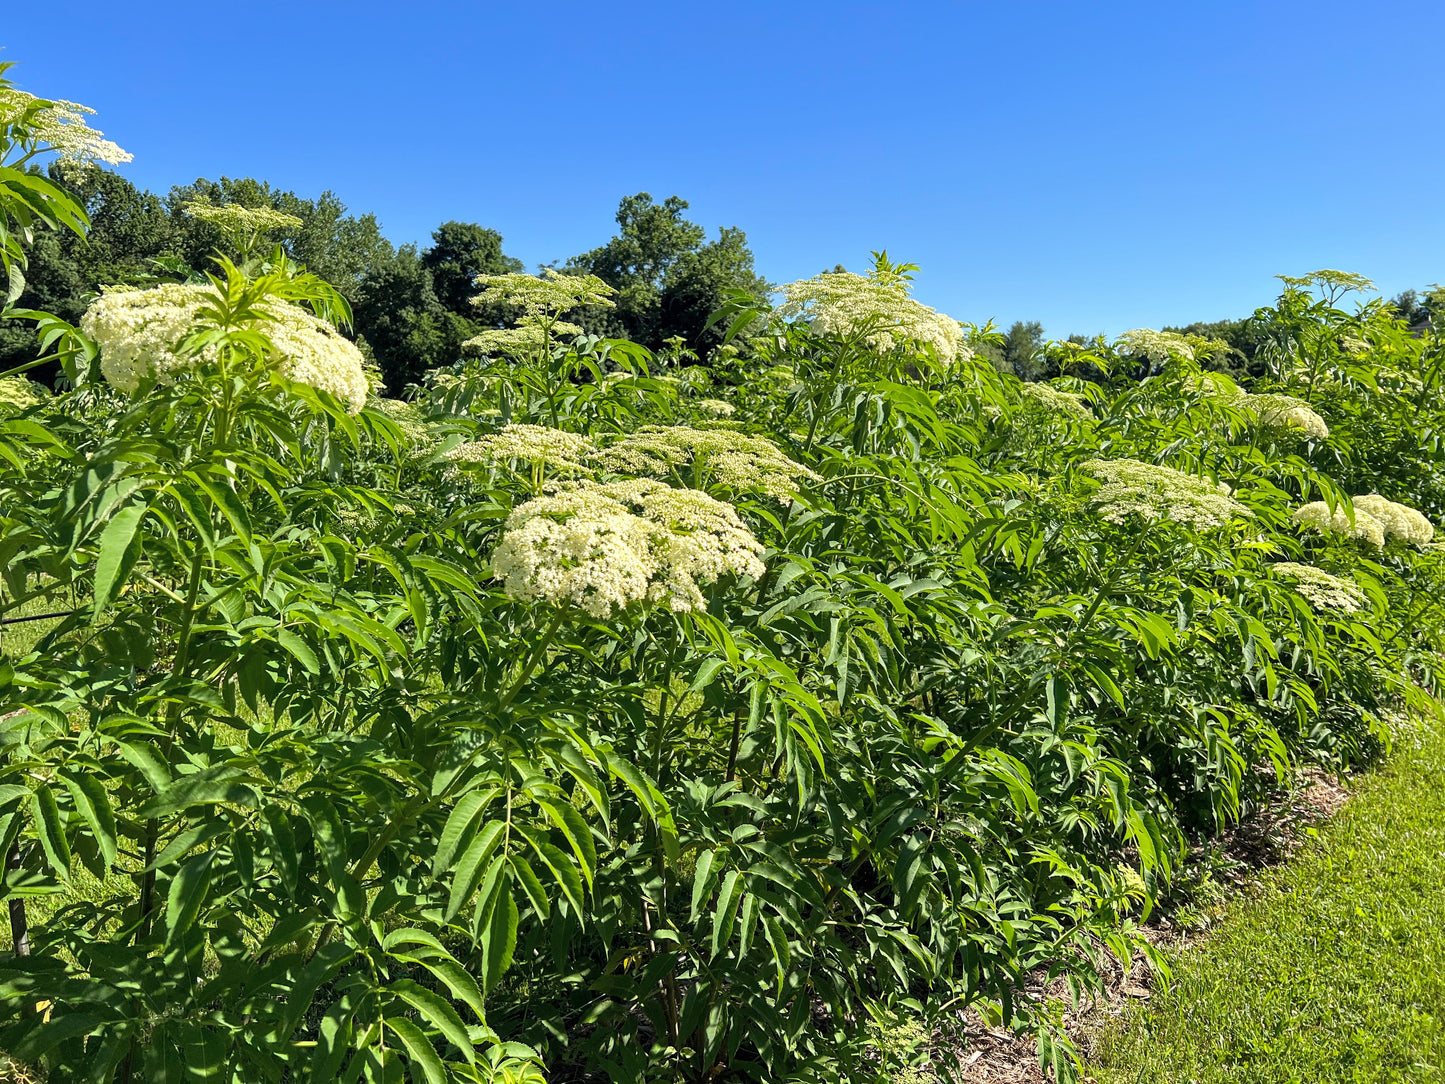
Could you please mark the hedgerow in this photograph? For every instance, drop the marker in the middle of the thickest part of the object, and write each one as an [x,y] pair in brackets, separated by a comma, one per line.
[594,716]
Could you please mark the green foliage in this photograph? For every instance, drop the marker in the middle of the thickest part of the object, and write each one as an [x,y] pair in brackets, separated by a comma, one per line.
[292,789]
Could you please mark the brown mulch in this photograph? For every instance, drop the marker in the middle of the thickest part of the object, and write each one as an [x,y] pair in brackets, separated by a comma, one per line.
[1264,838]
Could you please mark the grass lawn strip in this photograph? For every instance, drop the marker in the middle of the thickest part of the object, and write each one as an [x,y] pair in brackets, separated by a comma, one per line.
[1334,972]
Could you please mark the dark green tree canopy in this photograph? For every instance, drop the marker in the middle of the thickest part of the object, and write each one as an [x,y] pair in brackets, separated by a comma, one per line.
[669,278]
[460,252]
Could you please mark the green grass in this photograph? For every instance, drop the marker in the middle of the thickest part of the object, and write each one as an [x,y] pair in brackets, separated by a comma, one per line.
[1335,971]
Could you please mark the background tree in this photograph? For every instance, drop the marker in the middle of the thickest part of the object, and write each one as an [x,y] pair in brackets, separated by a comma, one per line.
[669,278]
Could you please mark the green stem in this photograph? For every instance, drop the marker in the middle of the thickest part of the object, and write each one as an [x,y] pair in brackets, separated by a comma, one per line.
[533,660]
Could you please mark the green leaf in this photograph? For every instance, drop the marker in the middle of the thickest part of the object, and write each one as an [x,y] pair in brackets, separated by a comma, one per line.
[532,886]
[701,888]
[187,895]
[93,804]
[723,918]
[115,556]
[418,1049]
[50,826]
[458,828]
[499,937]
[470,868]
[436,1011]
[300,649]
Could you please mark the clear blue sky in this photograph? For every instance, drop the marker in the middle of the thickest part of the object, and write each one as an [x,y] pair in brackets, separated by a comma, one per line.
[1093,165]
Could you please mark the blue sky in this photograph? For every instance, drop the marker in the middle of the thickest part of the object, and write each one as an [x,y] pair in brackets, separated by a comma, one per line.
[1096,166]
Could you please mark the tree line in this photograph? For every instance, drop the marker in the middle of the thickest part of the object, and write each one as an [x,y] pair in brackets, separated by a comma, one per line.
[412,304]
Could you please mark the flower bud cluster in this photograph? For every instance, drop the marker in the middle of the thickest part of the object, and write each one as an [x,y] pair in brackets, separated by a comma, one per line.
[742,463]
[1399,520]
[1157,346]
[539,445]
[61,125]
[1055,400]
[18,394]
[603,547]
[549,294]
[841,303]
[1319,516]
[1321,590]
[138,330]
[1151,492]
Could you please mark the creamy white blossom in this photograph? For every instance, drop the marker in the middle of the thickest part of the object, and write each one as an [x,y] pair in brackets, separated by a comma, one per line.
[1319,516]
[138,330]
[841,303]
[62,126]
[1151,492]
[1157,346]
[741,462]
[546,295]
[538,445]
[1399,520]
[1321,590]
[603,547]
[717,407]
[408,420]
[531,334]
[1055,400]
[1286,412]
[18,394]
[235,219]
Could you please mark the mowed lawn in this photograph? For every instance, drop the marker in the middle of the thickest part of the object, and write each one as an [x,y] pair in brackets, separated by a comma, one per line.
[1334,972]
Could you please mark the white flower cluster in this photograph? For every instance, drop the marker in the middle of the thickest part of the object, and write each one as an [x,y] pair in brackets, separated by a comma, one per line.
[407,419]
[233,218]
[1287,412]
[603,547]
[1399,520]
[1321,590]
[1151,492]
[546,295]
[1055,400]
[61,124]
[538,445]
[1319,516]
[137,332]
[531,334]
[1157,346]
[1268,408]
[18,394]
[717,407]
[741,462]
[842,303]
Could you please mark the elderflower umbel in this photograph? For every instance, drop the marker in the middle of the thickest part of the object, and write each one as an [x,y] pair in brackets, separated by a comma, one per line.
[1157,346]
[61,124]
[538,445]
[1049,398]
[137,332]
[1286,412]
[547,295]
[1151,492]
[408,420]
[19,394]
[842,303]
[530,334]
[717,407]
[738,461]
[603,547]
[1321,590]
[1399,520]
[1318,516]
[233,218]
